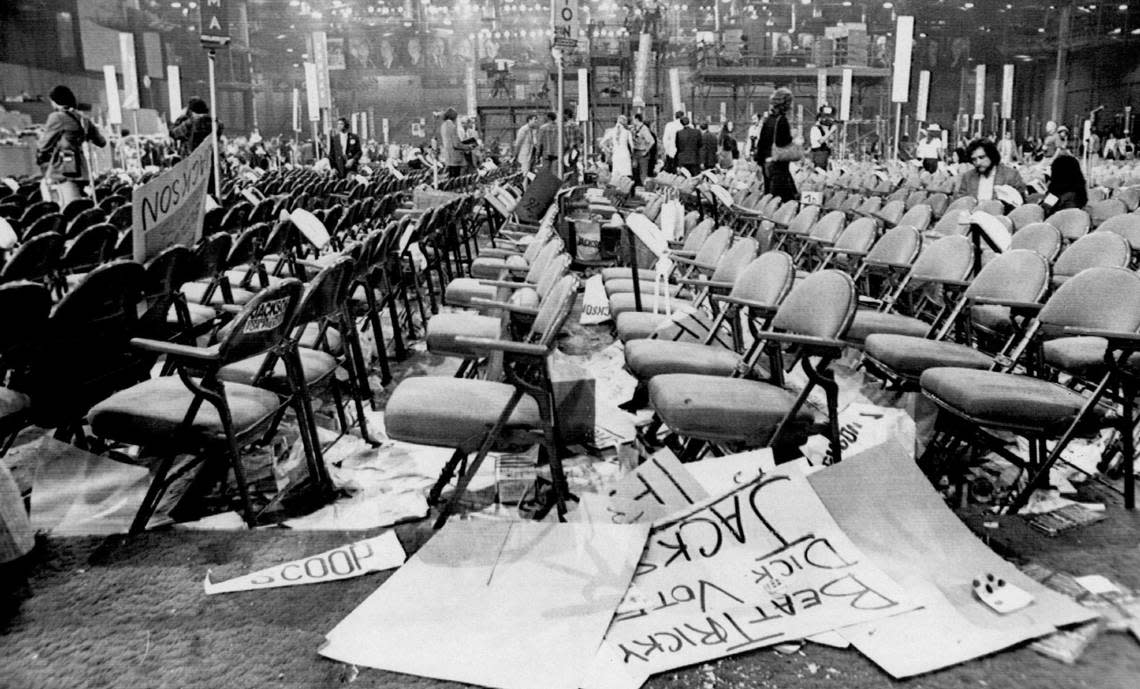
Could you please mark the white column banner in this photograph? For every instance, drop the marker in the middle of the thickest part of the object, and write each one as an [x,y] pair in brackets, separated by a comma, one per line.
[641,69]
[923,95]
[296,109]
[675,88]
[820,89]
[384,129]
[1007,91]
[312,92]
[583,94]
[980,92]
[472,106]
[904,46]
[845,97]
[321,58]
[130,72]
[111,85]
[174,90]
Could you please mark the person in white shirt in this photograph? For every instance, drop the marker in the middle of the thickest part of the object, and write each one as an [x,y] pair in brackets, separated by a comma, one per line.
[1007,147]
[525,142]
[669,141]
[820,136]
[929,149]
[753,137]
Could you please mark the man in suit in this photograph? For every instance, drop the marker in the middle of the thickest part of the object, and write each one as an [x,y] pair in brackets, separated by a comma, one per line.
[987,174]
[708,148]
[689,148]
[344,149]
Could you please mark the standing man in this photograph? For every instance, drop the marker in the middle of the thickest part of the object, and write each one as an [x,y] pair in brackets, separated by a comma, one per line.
[708,148]
[929,149]
[525,141]
[820,137]
[548,143]
[669,140]
[450,149]
[344,149]
[688,145]
[1007,147]
[642,142]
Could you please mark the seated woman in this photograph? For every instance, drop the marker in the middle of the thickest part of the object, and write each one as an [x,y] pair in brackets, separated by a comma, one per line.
[1067,186]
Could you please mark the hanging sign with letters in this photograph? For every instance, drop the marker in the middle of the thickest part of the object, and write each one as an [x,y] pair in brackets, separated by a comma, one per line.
[214,24]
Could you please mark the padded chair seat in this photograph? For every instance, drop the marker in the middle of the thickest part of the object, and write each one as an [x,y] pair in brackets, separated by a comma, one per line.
[451,412]
[620,286]
[639,325]
[624,302]
[1003,399]
[461,291]
[626,273]
[237,275]
[1076,354]
[648,358]
[316,364]
[488,267]
[332,338]
[194,292]
[12,402]
[910,356]
[868,322]
[992,317]
[721,409]
[199,314]
[151,412]
[444,328]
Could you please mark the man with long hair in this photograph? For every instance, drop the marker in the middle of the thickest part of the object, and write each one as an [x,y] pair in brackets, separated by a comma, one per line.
[987,172]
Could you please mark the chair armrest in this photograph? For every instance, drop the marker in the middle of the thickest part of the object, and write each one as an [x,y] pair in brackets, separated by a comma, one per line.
[228,308]
[754,305]
[691,262]
[503,345]
[176,350]
[1021,305]
[676,244]
[713,284]
[494,304]
[838,250]
[950,282]
[505,283]
[1112,336]
[808,340]
[674,255]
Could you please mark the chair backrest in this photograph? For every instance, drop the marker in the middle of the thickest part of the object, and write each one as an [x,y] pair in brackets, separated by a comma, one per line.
[870,205]
[326,293]
[917,217]
[857,236]
[897,247]
[88,218]
[1127,226]
[552,314]
[697,235]
[34,259]
[914,198]
[733,261]
[1099,211]
[50,222]
[1129,196]
[91,247]
[262,323]
[1026,214]
[549,251]
[767,279]
[38,210]
[892,211]
[25,306]
[827,228]
[1073,223]
[993,207]
[1017,275]
[1101,297]
[75,207]
[949,258]
[805,218]
[951,223]
[821,305]
[712,248]
[964,203]
[212,251]
[1041,237]
[938,202]
[1096,249]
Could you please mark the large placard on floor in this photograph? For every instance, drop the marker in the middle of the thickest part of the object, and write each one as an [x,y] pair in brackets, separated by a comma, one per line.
[169,209]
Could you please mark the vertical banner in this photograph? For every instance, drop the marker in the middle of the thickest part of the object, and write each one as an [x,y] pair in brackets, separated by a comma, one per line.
[904,46]
[311,92]
[641,69]
[675,88]
[723,112]
[321,58]
[980,92]
[923,95]
[363,124]
[1007,91]
[583,94]
[565,18]
[111,85]
[845,96]
[213,24]
[174,90]
[296,109]
[472,108]
[130,72]
[384,129]
[820,89]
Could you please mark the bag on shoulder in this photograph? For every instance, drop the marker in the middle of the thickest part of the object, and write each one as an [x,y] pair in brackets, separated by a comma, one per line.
[790,153]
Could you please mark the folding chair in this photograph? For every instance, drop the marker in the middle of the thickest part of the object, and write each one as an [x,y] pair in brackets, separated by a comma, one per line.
[1073,223]
[25,306]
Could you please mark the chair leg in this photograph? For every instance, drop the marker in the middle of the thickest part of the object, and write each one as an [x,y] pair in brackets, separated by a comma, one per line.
[445,476]
[154,493]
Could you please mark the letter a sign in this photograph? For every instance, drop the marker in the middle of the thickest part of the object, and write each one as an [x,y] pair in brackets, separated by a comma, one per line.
[214,25]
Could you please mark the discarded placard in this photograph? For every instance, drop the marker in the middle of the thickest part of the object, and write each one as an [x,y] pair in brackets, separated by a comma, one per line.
[352,560]
[656,489]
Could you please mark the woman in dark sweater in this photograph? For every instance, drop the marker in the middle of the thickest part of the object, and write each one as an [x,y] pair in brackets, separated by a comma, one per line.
[1067,186]
[776,132]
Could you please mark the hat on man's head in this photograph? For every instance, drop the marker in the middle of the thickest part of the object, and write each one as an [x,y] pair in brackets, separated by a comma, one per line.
[62,96]
[827,110]
[933,128]
[197,106]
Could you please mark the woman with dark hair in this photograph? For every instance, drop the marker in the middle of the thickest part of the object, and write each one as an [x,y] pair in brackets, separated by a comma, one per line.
[1067,186]
[774,150]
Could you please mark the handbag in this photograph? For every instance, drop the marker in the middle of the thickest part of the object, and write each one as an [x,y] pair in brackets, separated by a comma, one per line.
[790,153]
[65,160]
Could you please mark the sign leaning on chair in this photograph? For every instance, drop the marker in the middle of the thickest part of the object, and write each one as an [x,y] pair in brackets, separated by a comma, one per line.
[170,208]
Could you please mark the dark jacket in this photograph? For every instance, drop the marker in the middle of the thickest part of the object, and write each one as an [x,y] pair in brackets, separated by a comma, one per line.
[190,130]
[709,148]
[67,129]
[343,161]
[689,147]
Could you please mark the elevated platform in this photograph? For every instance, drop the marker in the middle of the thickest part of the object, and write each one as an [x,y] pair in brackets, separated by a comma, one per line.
[743,74]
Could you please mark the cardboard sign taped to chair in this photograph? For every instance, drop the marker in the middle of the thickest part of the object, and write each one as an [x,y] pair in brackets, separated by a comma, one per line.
[266,316]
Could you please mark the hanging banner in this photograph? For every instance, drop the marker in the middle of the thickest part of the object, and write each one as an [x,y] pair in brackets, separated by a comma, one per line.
[296,109]
[820,89]
[904,46]
[566,22]
[321,59]
[1007,91]
[168,210]
[641,70]
[384,129]
[130,72]
[352,560]
[923,95]
[111,86]
[214,23]
[980,92]
[845,96]
[583,94]
[312,96]
[174,90]
[675,89]
[472,108]
[723,112]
